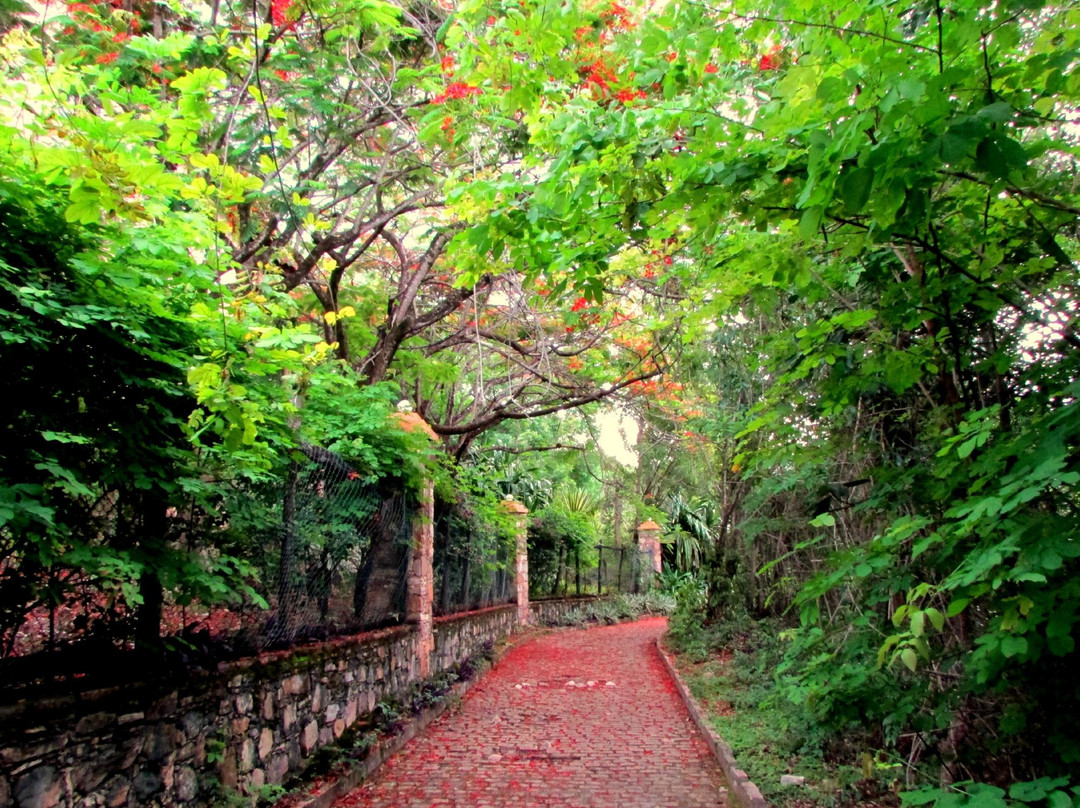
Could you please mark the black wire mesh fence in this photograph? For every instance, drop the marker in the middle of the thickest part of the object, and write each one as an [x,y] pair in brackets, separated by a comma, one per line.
[329,549]
[473,564]
[342,551]
[559,569]
[622,569]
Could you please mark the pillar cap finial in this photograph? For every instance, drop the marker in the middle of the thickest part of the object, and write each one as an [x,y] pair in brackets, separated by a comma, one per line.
[413,422]
[649,524]
[514,506]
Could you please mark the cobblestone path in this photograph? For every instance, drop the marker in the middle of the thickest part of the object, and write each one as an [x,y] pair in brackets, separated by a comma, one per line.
[575,719]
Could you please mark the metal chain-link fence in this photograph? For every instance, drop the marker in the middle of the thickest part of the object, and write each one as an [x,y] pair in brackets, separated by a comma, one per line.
[328,550]
[342,551]
[473,563]
[557,570]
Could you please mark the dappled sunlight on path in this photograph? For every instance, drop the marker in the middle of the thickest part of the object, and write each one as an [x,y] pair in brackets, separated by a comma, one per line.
[577,718]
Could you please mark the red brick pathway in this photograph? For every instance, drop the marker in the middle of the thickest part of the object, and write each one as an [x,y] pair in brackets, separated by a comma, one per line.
[618,737]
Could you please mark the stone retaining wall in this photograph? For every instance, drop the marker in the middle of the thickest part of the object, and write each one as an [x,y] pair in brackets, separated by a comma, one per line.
[253,723]
[465,635]
[546,612]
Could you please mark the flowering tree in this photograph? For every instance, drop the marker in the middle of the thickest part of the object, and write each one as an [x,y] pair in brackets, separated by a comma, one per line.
[878,203]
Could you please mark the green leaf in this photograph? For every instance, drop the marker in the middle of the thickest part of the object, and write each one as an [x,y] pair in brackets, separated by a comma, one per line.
[999,112]
[918,618]
[1012,646]
[810,222]
[64,437]
[957,605]
[984,796]
[937,619]
[1060,799]
[855,186]
[920,796]
[967,447]
[1000,156]
[910,659]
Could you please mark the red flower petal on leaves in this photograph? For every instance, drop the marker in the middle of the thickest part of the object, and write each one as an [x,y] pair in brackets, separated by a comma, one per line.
[711,68]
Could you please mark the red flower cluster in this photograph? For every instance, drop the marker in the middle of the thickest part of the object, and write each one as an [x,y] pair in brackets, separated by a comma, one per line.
[617,17]
[627,95]
[448,65]
[711,68]
[279,12]
[579,304]
[644,387]
[456,90]
[107,58]
[771,60]
[597,73]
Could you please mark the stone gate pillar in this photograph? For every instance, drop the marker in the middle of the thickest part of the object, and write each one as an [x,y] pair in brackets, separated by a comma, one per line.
[649,544]
[420,578]
[521,561]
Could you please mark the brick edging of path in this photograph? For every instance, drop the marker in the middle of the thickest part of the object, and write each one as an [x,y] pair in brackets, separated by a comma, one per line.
[386,747]
[741,789]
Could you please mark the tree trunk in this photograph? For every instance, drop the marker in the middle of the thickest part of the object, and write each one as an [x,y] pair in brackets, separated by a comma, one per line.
[378,581]
[466,578]
[148,619]
[148,615]
[558,571]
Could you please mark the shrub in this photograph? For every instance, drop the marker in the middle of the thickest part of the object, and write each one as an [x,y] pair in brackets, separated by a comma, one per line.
[609,611]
